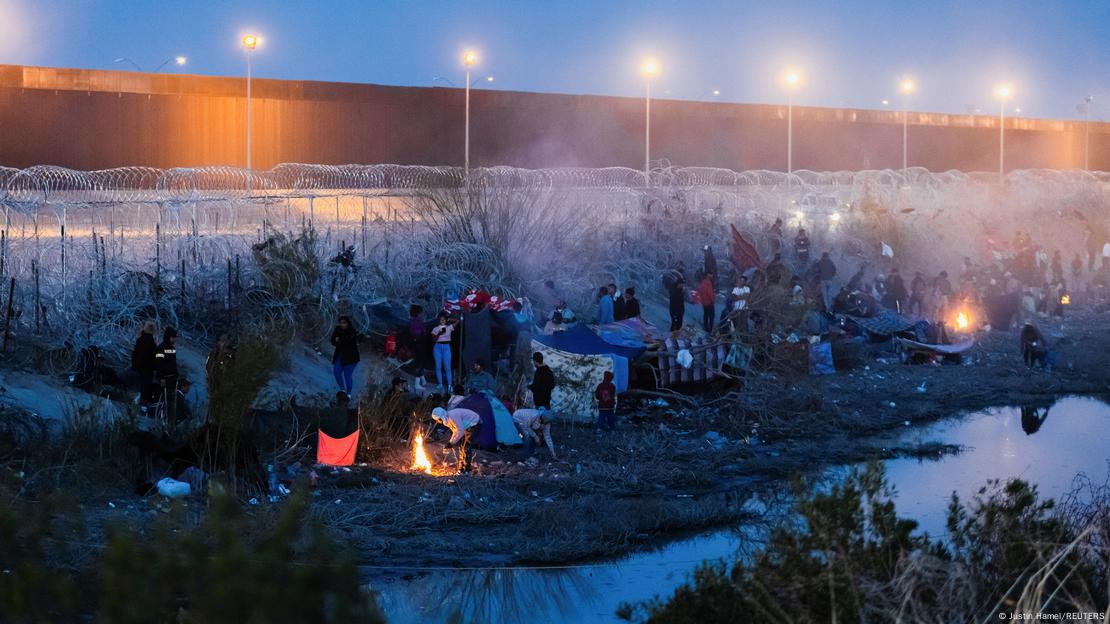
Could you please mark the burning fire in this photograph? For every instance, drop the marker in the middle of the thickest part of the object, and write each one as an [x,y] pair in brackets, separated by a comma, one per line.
[419,457]
[963,321]
[1065,299]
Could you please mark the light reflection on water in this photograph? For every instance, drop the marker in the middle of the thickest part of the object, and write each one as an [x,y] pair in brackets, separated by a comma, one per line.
[1046,445]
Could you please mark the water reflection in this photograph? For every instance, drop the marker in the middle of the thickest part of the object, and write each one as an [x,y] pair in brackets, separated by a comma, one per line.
[998,445]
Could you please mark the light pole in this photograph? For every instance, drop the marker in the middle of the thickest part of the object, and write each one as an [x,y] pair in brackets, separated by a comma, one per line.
[650,69]
[1003,92]
[250,42]
[469,59]
[1087,132]
[907,88]
[792,80]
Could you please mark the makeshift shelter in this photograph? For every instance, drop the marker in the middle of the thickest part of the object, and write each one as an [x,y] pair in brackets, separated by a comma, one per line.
[497,421]
[579,359]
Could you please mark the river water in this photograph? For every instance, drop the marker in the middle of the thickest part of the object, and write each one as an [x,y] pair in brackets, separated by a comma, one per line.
[1045,445]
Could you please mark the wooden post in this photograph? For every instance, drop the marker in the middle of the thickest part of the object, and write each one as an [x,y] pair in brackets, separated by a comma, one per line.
[38,308]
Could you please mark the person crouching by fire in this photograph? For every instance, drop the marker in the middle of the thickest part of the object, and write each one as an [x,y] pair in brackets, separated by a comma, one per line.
[464,425]
[531,424]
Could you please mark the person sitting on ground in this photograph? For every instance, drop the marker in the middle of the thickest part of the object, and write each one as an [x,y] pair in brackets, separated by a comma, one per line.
[543,382]
[464,425]
[605,312]
[606,395]
[629,305]
[479,379]
[531,423]
[181,413]
[399,391]
[1034,349]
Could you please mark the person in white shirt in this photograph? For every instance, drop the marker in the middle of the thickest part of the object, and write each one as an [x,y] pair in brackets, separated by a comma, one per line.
[531,423]
[464,425]
[442,351]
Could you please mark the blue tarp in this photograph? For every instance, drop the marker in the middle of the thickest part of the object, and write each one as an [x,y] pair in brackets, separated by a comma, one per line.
[497,422]
[582,340]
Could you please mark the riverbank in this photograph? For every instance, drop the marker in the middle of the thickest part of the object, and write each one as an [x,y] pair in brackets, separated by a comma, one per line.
[674,469]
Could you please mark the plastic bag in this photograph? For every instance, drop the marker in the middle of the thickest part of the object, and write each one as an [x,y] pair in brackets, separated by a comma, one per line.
[172,488]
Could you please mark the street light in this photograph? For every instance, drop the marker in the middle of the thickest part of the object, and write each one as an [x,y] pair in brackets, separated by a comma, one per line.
[1003,92]
[1085,107]
[906,87]
[470,58]
[792,80]
[250,42]
[650,69]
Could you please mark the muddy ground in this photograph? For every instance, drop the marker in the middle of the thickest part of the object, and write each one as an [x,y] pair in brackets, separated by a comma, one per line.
[672,470]
[669,470]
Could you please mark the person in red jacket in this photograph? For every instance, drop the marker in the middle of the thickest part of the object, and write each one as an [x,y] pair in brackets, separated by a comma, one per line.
[606,395]
[707,295]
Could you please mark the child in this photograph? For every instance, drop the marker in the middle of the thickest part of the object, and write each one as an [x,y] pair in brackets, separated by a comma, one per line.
[606,395]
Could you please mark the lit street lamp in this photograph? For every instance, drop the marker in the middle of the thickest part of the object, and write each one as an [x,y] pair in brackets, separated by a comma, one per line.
[469,59]
[792,81]
[1003,92]
[250,42]
[650,69]
[907,87]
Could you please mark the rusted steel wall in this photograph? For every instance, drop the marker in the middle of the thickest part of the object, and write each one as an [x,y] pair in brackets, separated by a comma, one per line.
[92,119]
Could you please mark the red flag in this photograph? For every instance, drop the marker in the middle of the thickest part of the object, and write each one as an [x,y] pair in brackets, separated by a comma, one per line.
[742,253]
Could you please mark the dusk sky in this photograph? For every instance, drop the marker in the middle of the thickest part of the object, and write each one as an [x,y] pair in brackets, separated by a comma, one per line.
[851,53]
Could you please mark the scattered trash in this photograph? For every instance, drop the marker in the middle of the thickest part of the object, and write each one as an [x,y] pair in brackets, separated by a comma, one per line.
[111,505]
[172,488]
[921,388]
[253,501]
[892,404]
[685,358]
[906,423]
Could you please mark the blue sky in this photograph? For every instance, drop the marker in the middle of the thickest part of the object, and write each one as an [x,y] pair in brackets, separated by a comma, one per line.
[851,52]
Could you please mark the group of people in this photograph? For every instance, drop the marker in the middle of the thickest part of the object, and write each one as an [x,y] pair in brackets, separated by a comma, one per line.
[156,377]
[613,305]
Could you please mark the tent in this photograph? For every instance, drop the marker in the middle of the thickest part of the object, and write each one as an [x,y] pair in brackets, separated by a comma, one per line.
[582,340]
[497,422]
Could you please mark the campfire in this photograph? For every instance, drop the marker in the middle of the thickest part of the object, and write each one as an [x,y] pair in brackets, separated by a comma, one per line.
[1065,299]
[419,457]
[963,321]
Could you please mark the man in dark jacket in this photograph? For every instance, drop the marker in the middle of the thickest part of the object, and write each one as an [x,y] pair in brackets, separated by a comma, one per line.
[677,304]
[775,270]
[165,370]
[826,271]
[801,247]
[142,359]
[543,383]
[629,305]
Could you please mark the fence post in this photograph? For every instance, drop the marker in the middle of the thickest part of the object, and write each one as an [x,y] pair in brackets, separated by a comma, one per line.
[8,315]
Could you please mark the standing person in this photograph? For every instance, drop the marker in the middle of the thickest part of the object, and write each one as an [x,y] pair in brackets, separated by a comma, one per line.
[618,303]
[896,291]
[1057,266]
[165,369]
[604,306]
[776,236]
[801,247]
[775,270]
[1076,269]
[677,303]
[945,293]
[531,423]
[543,383]
[630,305]
[708,297]
[142,359]
[826,271]
[464,425]
[343,362]
[709,264]
[606,395]
[442,351]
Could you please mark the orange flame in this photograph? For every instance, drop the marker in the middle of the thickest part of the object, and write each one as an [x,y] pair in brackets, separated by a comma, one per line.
[963,321]
[1065,300]
[419,457]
